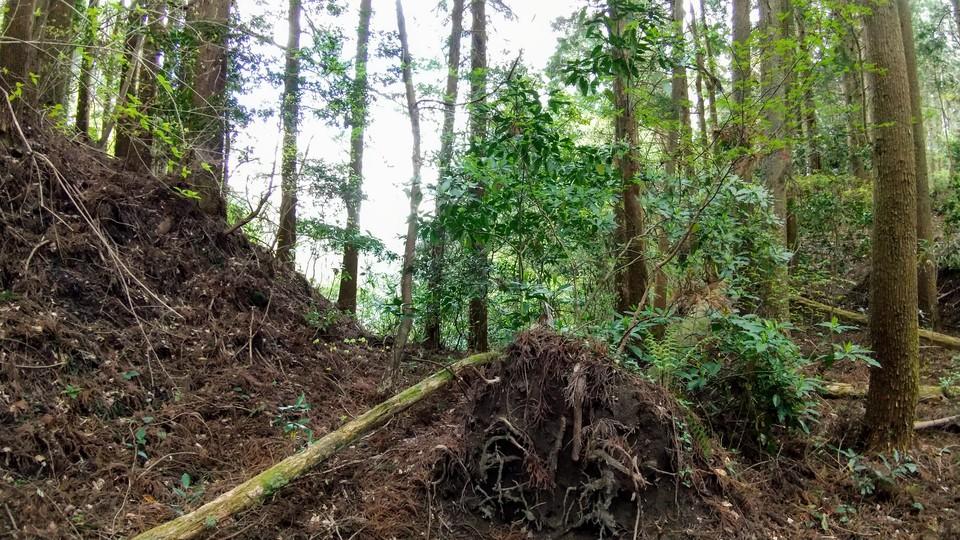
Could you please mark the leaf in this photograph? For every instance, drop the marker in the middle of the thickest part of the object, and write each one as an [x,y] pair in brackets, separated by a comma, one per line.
[185,480]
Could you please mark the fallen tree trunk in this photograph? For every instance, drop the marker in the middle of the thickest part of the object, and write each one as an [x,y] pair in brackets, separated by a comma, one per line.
[254,490]
[938,423]
[846,390]
[943,340]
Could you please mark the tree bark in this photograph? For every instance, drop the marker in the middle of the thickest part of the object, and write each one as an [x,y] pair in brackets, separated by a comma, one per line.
[290,117]
[775,77]
[406,273]
[16,51]
[927,266]
[631,264]
[209,19]
[253,491]
[892,397]
[57,42]
[353,191]
[740,66]
[478,335]
[432,331]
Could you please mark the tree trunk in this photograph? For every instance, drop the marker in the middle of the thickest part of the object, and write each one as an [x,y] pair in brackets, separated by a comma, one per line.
[140,157]
[740,66]
[704,138]
[956,14]
[16,51]
[432,331]
[133,43]
[255,490]
[853,98]
[85,82]
[290,115]
[808,109]
[711,65]
[775,78]
[478,338]
[678,143]
[406,273]
[353,191]
[209,19]
[892,397]
[927,266]
[57,42]
[631,263]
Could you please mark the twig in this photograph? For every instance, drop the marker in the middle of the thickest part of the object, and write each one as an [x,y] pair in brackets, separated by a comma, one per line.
[253,214]
[26,265]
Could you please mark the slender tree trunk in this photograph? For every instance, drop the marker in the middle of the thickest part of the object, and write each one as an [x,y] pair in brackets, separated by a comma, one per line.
[704,138]
[892,397]
[209,19]
[711,65]
[478,338]
[632,273]
[956,14]
[677,140]
[740,66]
[775,77]
[290,114]
[809,112]
[432,330]
[140,157]
[57,42]
[16,51]
[353,191]
[927,266]
[85,82]
[406,274]
[129,67]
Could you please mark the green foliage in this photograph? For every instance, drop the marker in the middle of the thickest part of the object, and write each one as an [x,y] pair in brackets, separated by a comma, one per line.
[869,475]
[293,419]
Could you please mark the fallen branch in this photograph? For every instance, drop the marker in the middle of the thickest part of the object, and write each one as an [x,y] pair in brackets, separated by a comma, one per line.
[943,340]
[256,489]
[938,423]
[846,391]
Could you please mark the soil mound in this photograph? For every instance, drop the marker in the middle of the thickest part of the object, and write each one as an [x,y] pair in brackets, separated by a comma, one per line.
[567,444]
[149,358]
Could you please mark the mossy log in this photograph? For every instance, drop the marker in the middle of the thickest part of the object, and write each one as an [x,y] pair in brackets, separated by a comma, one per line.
[936,338]
[846,391]
[254,490]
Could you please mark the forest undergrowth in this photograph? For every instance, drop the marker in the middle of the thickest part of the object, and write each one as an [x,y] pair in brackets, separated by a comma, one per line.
[153,358]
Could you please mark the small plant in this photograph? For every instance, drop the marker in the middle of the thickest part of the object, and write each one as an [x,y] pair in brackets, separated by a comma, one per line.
[867,477]
[7,296]
[71,391]
[187,490]
[323,320]
[293,419]
[187,193]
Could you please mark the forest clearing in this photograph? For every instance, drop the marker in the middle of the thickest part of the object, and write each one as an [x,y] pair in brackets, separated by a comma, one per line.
[670,269]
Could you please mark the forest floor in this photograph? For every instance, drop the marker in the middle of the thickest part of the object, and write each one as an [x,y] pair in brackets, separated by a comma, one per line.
[150,360]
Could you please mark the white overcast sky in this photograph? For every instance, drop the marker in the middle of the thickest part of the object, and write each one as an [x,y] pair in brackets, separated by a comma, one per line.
[387,166]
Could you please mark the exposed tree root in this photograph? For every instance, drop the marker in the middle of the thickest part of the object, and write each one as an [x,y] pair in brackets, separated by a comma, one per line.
[254,490]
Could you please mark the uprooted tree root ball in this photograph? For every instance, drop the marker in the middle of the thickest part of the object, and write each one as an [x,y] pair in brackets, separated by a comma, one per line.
[560,440]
